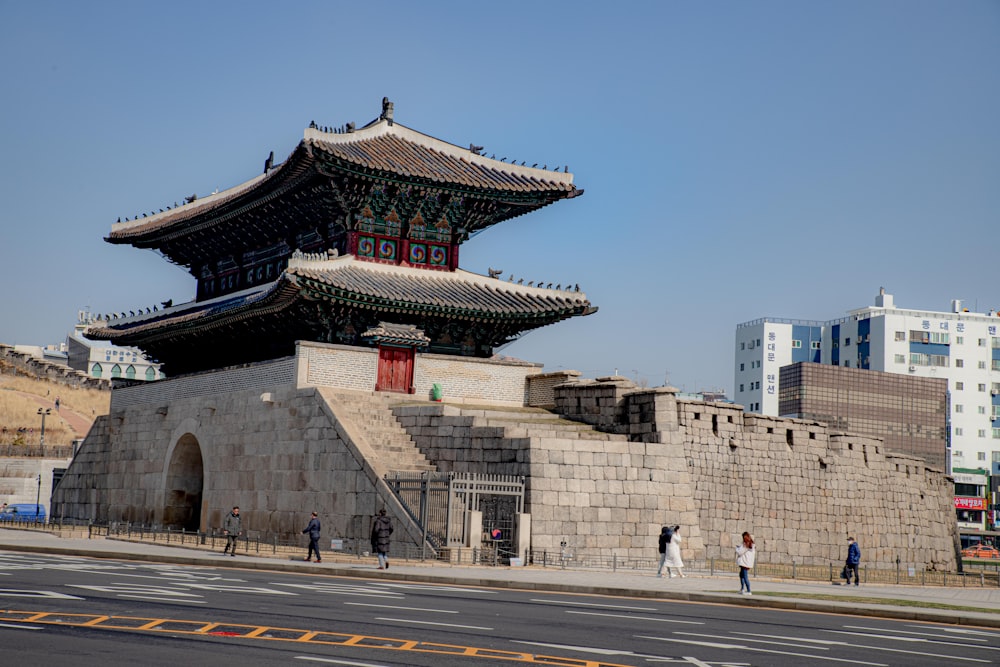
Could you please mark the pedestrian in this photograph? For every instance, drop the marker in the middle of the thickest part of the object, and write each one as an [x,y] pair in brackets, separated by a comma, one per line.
[381,530]
[853,561]
[313,530]
[673,555]
[57,404]
[233,528]
[666,534]
[746,555]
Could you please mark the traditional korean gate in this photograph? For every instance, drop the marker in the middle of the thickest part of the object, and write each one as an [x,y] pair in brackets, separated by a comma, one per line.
[395,369]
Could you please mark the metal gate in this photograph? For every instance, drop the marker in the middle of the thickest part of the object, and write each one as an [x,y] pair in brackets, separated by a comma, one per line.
[440,504]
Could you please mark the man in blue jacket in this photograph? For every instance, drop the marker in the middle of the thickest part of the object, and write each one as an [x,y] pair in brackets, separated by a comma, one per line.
[853,560]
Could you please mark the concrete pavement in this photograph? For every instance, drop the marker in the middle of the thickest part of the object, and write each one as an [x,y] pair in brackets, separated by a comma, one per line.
[976,606]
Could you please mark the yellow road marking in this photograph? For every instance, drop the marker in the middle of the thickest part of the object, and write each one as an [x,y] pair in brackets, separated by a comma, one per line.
[202,629]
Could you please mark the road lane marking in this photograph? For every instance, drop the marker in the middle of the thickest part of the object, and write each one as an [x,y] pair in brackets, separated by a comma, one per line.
[155,599]
[755,649]
[436,588]
[19,626]
[589,604]
[913,640]
[923,635]
[238,631]
[20,593]
[350,663]
[832,642]
[634,618]
[390,606]
[444,625]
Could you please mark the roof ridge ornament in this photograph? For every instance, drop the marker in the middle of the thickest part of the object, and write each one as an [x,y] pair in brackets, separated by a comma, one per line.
[387,110]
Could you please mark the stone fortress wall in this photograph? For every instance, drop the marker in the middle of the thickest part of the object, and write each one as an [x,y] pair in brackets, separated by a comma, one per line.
[798,487]
[621,462]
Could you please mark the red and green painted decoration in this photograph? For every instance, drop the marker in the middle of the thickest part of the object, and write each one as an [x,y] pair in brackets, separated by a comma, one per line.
[379,238]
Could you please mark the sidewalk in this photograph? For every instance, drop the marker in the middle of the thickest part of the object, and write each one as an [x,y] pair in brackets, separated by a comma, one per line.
[866,600]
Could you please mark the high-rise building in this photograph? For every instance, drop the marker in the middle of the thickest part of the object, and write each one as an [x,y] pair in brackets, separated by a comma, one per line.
[960,346]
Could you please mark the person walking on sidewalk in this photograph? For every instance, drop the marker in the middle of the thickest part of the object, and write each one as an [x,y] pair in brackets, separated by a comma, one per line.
[313,530]
[232,527]
[666,534]
[746,555]
[853,561]
[381,530]
[673,554]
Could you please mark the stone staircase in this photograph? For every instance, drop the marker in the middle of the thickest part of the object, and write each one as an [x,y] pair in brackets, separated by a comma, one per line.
[371,414]
[532,423]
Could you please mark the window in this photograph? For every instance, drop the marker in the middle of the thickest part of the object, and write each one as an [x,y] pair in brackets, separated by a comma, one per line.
[743,346]
[996,433]
[959,386]
[982,386]
[900,358]
[981,409]
[982,342]
[958,430]
[982,365]
[150,374]
[750,345]
[116,371]
[929,337]
[959,340]
[847,363]
[814,345]
[959,363]
[918,359]
[130,372]
[959,407]
[982,434]
[796,344]
[900,335]
[758,342]
[996,365]
[995,342]
[996,387]
[980,456]
[847,342]
[741,388]
[96,370]
[957,454]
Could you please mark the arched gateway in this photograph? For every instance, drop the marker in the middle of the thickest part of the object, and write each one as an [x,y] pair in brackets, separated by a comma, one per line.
[185,481]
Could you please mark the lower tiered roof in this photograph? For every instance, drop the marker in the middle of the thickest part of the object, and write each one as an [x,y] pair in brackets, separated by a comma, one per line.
[336,300]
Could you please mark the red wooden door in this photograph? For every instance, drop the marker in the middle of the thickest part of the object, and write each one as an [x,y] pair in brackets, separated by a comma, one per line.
[395,369]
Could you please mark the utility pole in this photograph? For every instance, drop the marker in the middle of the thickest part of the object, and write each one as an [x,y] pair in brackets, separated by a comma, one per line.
[44,412]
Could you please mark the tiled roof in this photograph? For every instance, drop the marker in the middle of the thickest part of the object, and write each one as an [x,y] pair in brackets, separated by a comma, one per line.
[459,293]
[389,332]
[381,147]
[395,148]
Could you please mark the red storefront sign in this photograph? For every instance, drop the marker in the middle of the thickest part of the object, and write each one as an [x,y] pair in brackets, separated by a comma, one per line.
[970,503]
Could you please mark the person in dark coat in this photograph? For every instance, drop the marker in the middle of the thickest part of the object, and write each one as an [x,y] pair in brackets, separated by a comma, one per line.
[313,530]
[381,530]
[853,561]
[232,527]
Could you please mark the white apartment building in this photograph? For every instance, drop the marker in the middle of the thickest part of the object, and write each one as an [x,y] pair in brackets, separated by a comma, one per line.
[960,346]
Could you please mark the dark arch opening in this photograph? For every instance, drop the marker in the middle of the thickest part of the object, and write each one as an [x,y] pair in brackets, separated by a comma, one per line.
[185,480]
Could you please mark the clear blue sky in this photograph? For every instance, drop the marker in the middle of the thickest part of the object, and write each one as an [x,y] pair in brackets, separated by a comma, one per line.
[740,159]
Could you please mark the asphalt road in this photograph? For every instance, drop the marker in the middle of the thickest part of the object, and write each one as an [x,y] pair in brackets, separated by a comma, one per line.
[61,610]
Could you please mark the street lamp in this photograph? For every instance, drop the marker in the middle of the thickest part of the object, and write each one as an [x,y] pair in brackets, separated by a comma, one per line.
[38,495]
[44,412]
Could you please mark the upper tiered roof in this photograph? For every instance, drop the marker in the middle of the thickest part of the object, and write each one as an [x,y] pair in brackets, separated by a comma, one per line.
[331,174]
